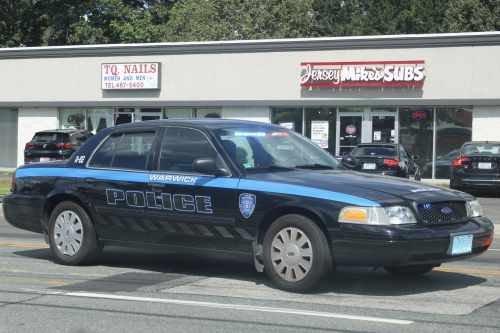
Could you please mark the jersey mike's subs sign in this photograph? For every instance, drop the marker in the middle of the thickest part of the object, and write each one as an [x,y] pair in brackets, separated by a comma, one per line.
[369,73]
[141,75]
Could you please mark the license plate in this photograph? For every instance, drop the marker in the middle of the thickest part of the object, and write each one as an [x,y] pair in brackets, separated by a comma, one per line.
[369,166]
[483,165]
[462,244]
[44,159]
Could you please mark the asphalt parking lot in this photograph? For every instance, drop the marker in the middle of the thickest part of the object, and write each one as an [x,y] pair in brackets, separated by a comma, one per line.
[132,290]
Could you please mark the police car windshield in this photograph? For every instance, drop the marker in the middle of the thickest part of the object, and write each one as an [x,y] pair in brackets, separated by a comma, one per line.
[255,149]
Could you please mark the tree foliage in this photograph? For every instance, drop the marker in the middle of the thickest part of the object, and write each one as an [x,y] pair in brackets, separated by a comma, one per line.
[72,22]
[200,20]
[472,15]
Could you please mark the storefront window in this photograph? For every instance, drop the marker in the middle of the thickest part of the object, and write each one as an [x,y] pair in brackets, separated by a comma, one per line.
[99,119]
[453,129]
[8,137]
[416,132]
[209,113]
[324,122]
[290,118]
[72,119]
[173,113]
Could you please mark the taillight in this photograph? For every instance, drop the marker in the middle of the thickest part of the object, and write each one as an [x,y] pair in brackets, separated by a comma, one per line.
[29,144]
[13,180]
[65,145]
[391,162]
[459,160]
[488,242]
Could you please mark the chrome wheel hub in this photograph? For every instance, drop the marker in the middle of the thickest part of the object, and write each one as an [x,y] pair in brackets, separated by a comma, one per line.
[68,233]
[291,254]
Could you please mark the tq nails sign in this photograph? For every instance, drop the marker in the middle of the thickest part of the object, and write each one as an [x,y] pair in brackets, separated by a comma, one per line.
[370,73]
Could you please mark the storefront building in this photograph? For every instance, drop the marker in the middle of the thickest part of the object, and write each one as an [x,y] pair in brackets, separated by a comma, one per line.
[430,93]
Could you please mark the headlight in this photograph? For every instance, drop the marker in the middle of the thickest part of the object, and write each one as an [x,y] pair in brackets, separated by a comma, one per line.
[474,208]
[377,215]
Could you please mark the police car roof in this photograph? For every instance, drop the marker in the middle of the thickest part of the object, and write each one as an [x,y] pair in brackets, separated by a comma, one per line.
[210,123]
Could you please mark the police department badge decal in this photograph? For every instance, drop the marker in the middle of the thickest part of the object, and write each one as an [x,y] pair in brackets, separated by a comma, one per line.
[247,204]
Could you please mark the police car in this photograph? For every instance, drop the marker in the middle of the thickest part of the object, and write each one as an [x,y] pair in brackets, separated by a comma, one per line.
[244,190]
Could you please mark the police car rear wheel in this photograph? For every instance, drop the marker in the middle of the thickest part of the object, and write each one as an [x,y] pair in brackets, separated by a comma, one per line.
[296,254]
[72,237]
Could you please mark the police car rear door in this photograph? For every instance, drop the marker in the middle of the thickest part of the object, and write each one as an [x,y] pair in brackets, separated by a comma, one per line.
[115,182]
[186,208]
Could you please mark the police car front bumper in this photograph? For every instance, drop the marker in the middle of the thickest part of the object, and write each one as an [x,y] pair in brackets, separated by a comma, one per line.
[388,246]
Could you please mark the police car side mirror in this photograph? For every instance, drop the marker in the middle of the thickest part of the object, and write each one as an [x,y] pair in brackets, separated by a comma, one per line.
[349,161]
[207,165]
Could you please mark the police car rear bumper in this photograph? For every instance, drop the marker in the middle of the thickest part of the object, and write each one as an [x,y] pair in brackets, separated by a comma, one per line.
[24,212]
[375,246]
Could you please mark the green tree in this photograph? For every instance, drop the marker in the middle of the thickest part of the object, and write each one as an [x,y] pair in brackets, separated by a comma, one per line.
[200,20]
[11,12]
[339,17]
[472,15]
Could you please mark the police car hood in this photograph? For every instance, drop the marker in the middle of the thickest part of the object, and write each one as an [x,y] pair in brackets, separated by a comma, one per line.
[371,187]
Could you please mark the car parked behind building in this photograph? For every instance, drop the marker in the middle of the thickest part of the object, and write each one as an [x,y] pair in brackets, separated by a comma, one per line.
[388,159]
[477,165]
[54,145]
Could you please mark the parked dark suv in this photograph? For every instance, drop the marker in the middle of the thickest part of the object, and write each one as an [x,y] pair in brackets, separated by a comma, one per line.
[54,145]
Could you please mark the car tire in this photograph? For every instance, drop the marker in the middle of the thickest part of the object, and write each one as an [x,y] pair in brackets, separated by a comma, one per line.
[453,186]
[410,270]
[296,254]
[72,236]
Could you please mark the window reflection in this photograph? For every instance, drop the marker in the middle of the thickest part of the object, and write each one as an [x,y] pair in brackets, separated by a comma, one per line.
[416,130]
[290,118]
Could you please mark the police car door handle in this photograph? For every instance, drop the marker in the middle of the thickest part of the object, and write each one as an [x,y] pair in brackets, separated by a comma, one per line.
[91,180]
[156,185]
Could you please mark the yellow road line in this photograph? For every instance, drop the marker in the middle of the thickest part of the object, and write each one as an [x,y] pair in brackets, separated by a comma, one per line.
[35,246]
[466,271]
[49,273]
[37,281]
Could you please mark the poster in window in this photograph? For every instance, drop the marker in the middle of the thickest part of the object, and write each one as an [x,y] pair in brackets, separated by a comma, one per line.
[319,133]
[290,125]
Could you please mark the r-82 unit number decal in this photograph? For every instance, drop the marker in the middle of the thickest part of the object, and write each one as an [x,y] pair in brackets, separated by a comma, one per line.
[79,159]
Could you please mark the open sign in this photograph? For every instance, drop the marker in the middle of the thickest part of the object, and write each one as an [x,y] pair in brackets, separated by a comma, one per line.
[419,115]
[76,119]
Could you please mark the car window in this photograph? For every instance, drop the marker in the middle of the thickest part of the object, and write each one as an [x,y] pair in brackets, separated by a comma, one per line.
[374,151]
[253,149]
[126,151]
[484,149]
[51,137]
[181,146]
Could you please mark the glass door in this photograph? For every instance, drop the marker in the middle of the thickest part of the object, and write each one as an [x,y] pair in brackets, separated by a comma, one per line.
[384,128]
[349,131]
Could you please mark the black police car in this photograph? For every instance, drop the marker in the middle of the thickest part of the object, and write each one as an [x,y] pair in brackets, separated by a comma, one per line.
[243,190]
[477,165]
[54,145]
[388,159]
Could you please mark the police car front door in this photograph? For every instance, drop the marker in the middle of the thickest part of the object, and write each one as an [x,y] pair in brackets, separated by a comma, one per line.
[185,208]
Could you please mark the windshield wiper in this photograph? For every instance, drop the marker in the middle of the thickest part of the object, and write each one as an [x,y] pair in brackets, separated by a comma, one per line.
[272,166]
[314,166]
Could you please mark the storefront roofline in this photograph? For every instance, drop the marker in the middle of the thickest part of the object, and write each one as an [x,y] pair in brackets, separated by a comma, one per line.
[253,46]
[243,103]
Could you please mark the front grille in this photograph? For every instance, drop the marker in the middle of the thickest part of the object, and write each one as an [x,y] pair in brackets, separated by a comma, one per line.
[433,212]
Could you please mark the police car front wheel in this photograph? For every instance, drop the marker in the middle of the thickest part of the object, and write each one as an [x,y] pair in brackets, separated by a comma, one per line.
[296,254]
[72,237]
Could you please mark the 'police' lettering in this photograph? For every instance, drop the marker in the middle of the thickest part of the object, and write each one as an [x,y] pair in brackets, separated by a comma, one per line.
[114,196]
[135,199]
[180,202]
[204,204]
[151,199]
[184,203]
